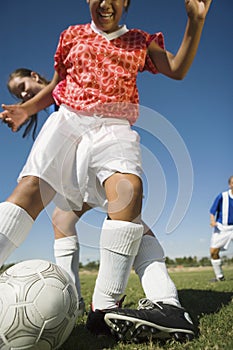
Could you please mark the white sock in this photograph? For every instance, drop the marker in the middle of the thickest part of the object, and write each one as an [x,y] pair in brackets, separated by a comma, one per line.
[150,266]
[119,243]
[15,224]
[66,252]
[217,266]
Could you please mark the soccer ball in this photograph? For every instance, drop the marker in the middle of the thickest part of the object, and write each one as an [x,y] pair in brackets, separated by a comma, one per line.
[38,306]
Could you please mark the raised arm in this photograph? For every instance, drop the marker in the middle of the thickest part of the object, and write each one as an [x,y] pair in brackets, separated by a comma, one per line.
[176,66]
[16,115]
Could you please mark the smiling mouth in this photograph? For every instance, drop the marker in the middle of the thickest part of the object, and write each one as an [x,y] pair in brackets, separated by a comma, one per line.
[106,15]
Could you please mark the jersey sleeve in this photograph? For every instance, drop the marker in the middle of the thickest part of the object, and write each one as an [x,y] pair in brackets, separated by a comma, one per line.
[215,206]
[159,39]
[62,51]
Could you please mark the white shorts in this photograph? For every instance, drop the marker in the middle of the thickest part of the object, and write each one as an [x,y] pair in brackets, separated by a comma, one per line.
[222,236]
[75,154]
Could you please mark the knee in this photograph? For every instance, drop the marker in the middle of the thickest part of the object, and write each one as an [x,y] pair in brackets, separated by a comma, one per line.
[124,194]
[129,190]
[27,187]
[32,194]
[135,186]
[56,217]
[64,223]
[62,218]
[214,253]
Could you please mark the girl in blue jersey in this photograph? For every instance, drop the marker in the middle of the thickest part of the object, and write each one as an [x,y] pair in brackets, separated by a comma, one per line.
[221,219]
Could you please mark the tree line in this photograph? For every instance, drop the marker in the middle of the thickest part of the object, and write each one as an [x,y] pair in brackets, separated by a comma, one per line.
[184,262]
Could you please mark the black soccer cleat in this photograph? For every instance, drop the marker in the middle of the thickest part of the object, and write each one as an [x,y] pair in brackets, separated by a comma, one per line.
[158,321]
[95,320]
[96,325]
[218,279]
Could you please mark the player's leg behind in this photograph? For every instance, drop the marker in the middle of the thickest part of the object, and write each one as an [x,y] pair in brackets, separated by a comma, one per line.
[66,246]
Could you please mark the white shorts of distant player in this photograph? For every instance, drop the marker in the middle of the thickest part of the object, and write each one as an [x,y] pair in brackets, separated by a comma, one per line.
[75,154]
[221,236]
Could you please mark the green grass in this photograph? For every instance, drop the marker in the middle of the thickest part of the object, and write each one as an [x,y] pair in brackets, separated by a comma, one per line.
[209,304]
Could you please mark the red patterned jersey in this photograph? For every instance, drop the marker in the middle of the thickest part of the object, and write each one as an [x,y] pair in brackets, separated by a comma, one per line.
[99,75]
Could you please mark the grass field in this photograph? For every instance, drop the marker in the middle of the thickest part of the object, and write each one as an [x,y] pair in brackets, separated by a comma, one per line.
[209,304]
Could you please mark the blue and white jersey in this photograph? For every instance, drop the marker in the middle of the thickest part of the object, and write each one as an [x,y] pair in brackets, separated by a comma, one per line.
[222,208]
[51,109]
[41,120]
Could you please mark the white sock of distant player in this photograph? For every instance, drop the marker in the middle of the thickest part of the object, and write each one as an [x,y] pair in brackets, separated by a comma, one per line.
[66,252]
[217,266]
[15,224]
[119,243]
[150,266]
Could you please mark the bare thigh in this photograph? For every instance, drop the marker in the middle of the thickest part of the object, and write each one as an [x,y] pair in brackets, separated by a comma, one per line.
[32,194]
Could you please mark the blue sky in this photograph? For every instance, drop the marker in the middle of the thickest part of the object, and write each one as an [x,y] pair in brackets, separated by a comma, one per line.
[195,114]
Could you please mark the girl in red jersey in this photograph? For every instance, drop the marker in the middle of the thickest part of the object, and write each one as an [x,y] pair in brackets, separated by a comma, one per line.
[87,152]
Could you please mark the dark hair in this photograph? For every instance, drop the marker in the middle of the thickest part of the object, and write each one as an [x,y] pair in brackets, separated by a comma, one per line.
[25,72]
[30,124]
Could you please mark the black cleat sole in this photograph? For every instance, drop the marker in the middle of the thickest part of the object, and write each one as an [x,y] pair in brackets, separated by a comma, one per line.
[137,331]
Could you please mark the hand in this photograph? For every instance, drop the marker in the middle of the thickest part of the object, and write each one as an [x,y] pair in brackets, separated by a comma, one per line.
[14,116]
[213,223]
[197,8]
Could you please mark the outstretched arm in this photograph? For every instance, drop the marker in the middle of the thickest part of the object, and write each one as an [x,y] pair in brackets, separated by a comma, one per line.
[16,115]
[176,66]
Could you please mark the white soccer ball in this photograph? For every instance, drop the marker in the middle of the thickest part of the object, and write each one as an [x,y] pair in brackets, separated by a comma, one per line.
[38,306]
